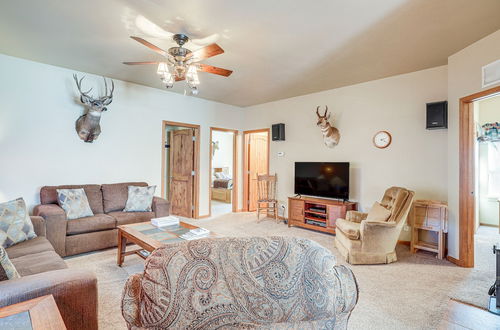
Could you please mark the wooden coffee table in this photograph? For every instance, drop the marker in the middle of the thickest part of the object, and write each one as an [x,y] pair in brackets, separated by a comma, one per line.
[149,237]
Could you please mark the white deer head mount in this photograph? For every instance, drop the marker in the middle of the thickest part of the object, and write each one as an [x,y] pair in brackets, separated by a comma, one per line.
[331,135]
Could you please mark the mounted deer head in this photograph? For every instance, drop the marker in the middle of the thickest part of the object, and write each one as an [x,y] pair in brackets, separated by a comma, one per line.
[87,125]
[331,135]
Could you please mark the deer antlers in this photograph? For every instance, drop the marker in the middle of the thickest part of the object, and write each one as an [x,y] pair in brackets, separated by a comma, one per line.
[106,99]
[317,112]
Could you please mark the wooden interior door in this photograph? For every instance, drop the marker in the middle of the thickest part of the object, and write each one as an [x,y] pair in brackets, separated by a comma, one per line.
[181,172]
[257,162]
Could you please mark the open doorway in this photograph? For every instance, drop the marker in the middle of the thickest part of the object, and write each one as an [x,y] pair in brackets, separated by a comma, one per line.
[180,167]
[487,171]
[469,193]
[223,176]
[255,162]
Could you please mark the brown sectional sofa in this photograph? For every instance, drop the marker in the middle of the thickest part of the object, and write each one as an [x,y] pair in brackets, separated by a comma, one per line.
[107,202]
[44,272]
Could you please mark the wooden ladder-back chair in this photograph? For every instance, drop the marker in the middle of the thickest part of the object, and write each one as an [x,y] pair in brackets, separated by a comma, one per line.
[266,195]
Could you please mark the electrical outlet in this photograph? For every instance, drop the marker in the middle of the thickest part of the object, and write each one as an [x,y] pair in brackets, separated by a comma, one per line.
[406,228]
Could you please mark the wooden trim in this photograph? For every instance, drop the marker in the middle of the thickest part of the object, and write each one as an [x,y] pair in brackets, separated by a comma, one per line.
[42,311]
[175,123]
[488,225]
[245,161]
[453,260]
[196,193]
[234,193]
[404,242]
[244,205]
[196,180]
[466,222]
[204,216]
[481,95]
[260,130]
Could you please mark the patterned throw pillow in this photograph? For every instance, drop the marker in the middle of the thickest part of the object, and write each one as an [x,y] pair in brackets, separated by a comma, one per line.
[75,203]
[7,269]
[139,199]
[15,223]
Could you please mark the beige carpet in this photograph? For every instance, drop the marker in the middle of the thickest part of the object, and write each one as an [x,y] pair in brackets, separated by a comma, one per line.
[412,293]
[473,289]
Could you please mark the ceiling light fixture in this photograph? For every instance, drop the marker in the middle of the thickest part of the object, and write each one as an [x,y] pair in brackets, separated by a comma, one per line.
[182,64]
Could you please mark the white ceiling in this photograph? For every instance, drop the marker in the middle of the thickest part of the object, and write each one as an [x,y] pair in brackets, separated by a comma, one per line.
[277,48]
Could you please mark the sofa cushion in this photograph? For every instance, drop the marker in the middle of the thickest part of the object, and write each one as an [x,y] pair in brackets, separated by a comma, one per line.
[48,195]
[15,223]
[139,199]
[35,245]
[7,269]
[38,263]
[115,195]
[378,213]
[74,202]
[349,228]
[125,218]
[90,224]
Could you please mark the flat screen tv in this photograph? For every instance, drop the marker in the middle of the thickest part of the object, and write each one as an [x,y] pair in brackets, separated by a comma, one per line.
[322,179]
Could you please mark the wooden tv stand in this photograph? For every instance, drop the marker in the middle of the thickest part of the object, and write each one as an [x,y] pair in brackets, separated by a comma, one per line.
[317,213]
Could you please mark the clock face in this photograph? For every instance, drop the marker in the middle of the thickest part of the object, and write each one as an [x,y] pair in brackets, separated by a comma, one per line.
[382,139]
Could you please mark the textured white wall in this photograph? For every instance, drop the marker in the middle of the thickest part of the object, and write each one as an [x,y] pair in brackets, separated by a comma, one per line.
[39,145]
[464,78]
[416,158]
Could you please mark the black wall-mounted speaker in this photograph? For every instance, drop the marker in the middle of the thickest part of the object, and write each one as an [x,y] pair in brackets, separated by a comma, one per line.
[437,115]
[278,132]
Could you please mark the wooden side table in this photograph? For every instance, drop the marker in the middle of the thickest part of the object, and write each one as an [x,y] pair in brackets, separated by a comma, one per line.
[38,314]
[430,216]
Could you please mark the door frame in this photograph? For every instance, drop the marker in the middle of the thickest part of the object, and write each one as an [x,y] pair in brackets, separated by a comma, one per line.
[245,161]
[196,179]
[467,176]
[234,194]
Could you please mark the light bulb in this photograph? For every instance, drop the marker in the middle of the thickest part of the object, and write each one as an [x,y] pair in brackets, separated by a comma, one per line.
[167,79]
[162,68]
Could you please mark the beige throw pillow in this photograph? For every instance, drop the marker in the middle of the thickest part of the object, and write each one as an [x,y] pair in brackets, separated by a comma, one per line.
[139,199]
[378,213]
[7,269]
[15,223]
[75,203]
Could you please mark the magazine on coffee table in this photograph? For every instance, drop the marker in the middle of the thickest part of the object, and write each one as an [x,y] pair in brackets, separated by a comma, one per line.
[196,233]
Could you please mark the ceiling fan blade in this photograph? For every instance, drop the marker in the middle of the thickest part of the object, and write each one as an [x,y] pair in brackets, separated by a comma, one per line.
[215,70]
[150,46]
[140,63]
[206,52]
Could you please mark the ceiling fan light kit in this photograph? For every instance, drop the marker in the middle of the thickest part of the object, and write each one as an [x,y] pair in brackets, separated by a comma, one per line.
[182,64]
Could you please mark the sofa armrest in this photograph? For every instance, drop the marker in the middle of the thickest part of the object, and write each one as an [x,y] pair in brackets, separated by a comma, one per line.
[161,207]
[131,297]
[74,291]
[38,225]
[355,216]
[380,236]
[55,224]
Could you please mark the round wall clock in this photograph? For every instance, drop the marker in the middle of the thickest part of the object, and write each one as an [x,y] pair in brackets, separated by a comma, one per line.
[382,139]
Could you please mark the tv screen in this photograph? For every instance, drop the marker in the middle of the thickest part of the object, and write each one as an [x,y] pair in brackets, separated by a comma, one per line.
[322,179]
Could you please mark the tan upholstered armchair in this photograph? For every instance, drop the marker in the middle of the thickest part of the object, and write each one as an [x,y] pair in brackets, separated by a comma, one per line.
[370,238]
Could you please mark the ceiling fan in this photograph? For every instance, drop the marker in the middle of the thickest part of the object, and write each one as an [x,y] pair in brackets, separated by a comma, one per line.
[183,64]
